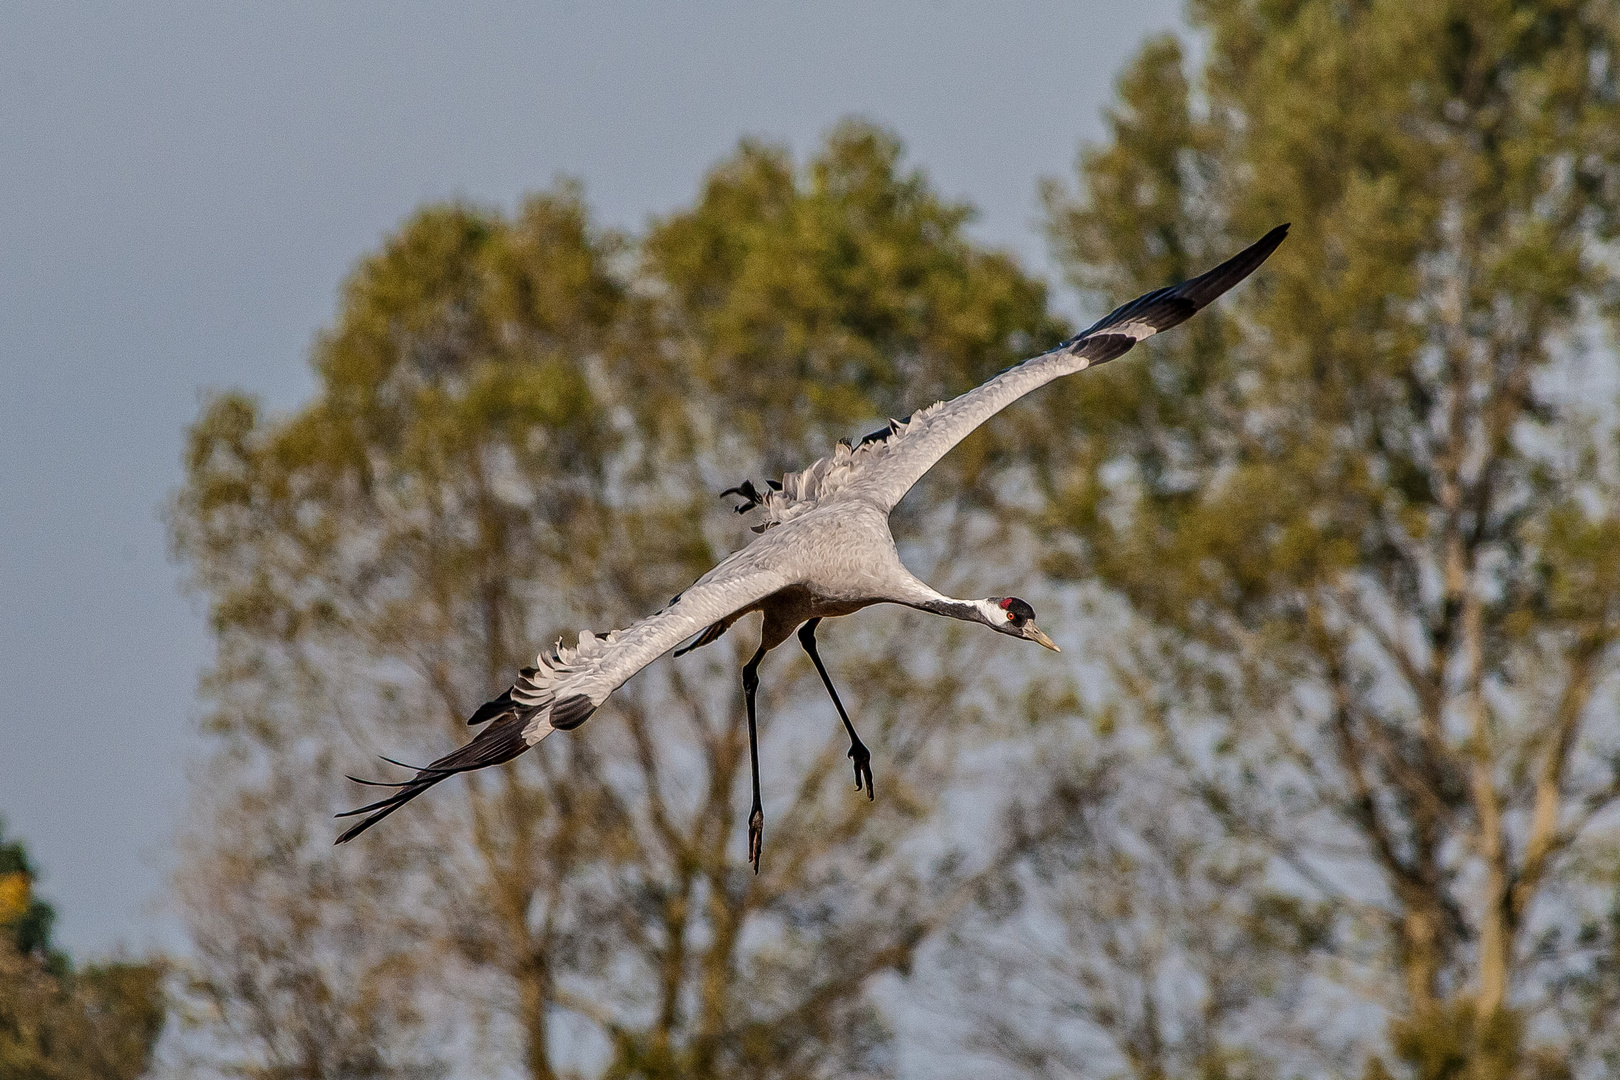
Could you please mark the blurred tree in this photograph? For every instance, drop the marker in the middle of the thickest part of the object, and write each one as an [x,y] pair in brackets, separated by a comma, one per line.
[799,308]
[26,918]
[521,423]
[1133,939]
[1365,517]
[99,1022]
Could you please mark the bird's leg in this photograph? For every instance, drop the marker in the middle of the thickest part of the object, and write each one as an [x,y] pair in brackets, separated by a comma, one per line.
[857,749]
[756,816]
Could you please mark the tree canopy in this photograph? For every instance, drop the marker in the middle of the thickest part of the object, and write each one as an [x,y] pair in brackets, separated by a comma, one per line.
[60,1022]
[1364,518]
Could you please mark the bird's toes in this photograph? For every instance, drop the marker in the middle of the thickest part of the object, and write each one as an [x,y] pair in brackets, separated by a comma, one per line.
[756,836]
[862,760]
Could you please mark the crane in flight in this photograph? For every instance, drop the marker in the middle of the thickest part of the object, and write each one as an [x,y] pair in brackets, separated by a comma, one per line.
[824,550]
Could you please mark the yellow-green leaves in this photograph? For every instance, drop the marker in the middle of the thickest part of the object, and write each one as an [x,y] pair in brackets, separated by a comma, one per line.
[803,303]
[1362,510]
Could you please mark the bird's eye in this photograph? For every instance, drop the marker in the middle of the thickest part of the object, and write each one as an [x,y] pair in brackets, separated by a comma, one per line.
[1011,617]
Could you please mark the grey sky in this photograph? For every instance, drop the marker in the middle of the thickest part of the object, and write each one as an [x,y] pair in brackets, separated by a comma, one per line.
[183,186]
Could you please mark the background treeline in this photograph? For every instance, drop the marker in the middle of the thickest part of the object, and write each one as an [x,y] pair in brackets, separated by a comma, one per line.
[1323,785]
[58,1020]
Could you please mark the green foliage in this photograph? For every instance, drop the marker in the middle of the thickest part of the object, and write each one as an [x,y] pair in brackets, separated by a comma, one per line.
[25,918]
[99,1022]
[461,366]
[1365,513]
[803,308]
[1452,1042]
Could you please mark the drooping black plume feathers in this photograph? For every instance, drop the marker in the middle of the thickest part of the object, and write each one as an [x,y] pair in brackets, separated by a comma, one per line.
[745,490]
[489,710]
[499,743]
[377,783]
[403,765]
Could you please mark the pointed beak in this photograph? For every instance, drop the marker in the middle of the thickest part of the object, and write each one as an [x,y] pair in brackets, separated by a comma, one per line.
[1034,634]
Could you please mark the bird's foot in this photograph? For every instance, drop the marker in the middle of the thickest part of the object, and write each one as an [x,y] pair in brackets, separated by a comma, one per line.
[756,836]
[863,768]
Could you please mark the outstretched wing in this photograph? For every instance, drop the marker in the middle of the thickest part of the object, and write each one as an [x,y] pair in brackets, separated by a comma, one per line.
[885,464]
[565,686]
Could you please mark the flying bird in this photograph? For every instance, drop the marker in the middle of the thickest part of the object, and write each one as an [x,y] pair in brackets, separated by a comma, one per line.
[824,549]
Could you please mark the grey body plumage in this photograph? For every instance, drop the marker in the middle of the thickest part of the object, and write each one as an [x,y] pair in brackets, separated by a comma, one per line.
[824,551]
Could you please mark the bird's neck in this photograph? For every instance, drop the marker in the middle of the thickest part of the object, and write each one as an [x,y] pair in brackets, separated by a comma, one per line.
[966,610]
[912,591]
[950,607]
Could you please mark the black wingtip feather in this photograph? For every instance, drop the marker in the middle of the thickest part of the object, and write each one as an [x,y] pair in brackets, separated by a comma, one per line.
[1163,308]
[1101,348]
[1204,288]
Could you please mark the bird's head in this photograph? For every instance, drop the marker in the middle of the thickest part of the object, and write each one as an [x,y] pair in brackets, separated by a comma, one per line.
[1011,615]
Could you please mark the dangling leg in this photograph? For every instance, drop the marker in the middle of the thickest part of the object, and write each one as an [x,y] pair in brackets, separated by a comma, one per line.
[857,749]
[756,816]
